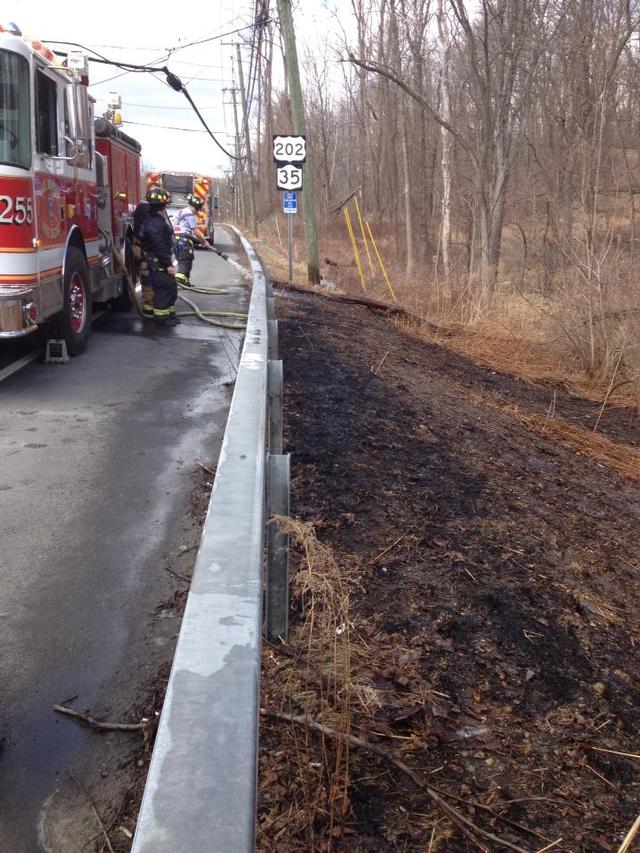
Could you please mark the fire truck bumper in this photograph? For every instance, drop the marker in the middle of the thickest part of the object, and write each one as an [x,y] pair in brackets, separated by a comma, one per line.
[17,312]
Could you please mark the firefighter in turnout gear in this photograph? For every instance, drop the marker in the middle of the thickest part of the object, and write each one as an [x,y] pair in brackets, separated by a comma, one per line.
[187,232]
[156,238]
[139,216]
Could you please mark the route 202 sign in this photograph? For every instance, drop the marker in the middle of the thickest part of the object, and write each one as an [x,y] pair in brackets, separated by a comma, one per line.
[289,177]
[289,149]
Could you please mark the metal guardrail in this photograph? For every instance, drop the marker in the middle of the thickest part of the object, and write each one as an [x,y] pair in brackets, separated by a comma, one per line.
[200,793]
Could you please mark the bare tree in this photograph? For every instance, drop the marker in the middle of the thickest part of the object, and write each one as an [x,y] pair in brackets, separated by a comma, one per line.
[445,228]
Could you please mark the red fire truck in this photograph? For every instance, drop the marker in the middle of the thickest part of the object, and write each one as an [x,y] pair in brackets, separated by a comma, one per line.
[68,188]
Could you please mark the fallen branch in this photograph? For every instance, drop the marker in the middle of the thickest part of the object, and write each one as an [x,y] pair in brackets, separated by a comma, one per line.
[373,304]
[206,468]
[634,755]
[183,578]
[104,726]
[386,550]
[336,208]
[466,826]
[609,390]
[550,846]
[520,826]
[626,844]
[381,362]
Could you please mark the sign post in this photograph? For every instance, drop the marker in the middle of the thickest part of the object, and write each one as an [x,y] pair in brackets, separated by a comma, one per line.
[289,154]
[290,231]
[290,206]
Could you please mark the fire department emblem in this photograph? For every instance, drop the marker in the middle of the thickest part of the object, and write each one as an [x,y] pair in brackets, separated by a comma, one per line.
[50,204]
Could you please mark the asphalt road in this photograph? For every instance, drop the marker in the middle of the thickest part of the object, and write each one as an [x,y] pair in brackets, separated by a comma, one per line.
[95,482]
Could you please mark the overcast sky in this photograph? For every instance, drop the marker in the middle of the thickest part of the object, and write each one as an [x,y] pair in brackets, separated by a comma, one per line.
[145,32]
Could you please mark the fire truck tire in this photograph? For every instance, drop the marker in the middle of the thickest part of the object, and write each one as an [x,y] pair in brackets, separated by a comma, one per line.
[74,322]
[124,301]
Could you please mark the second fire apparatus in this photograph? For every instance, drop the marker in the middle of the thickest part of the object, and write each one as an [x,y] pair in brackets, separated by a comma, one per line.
[67,193]
[181,184]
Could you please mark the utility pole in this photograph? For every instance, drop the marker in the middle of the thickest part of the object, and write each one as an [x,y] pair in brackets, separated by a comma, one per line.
[247,142]
[299,128]
[237,166]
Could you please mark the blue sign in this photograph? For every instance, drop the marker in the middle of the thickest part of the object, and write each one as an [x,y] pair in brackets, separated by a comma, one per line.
[290,202]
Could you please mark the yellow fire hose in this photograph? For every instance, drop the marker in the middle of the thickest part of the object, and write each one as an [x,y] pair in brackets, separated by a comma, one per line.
[130,283]
[207,316]
[216,290]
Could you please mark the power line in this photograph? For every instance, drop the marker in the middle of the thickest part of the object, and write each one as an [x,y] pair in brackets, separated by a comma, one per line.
[164,56]
[132,68]
[261,14]
[172,81]
[173,127]
[102,60]
[198,113]
[154,106]
[197,64]
[213,38]
[135,67]
[195,79]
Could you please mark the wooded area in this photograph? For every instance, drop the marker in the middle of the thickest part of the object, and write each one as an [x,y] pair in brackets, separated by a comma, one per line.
[494,147]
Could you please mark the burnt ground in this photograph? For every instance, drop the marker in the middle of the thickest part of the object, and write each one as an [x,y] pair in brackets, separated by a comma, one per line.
[492,558]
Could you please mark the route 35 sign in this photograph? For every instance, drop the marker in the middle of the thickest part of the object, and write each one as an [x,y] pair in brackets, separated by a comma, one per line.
[289,149]
[289,177]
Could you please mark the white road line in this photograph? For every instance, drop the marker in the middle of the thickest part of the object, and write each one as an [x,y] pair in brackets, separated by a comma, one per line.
[15,366]
[19,364]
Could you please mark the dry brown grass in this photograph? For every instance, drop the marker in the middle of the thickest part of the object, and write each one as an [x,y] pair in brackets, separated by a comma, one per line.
[585,338]
[314,679]
[621,458]
[324,673]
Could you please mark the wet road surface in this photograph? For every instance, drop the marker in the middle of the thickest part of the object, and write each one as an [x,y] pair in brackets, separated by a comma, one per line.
[94,485]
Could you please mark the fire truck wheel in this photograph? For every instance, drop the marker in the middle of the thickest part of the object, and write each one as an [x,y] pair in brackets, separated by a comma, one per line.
[75,319]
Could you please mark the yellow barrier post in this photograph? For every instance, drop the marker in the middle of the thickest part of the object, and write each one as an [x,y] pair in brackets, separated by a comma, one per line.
[364,238]
[384,272]
[356,254]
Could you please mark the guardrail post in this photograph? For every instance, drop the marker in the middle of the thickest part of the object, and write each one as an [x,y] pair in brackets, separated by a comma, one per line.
[271,307]
[277,598]
[273,339]
[275,406]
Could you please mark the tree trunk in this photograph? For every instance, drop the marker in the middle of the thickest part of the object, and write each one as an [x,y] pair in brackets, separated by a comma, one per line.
[299,127]
[445,224]
[407,194]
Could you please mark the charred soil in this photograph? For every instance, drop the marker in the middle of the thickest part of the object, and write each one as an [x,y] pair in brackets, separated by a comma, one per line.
[489,542]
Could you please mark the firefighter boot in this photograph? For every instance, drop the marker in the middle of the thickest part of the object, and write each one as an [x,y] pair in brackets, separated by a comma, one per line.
[182,279]
[166,316]
[168,320]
